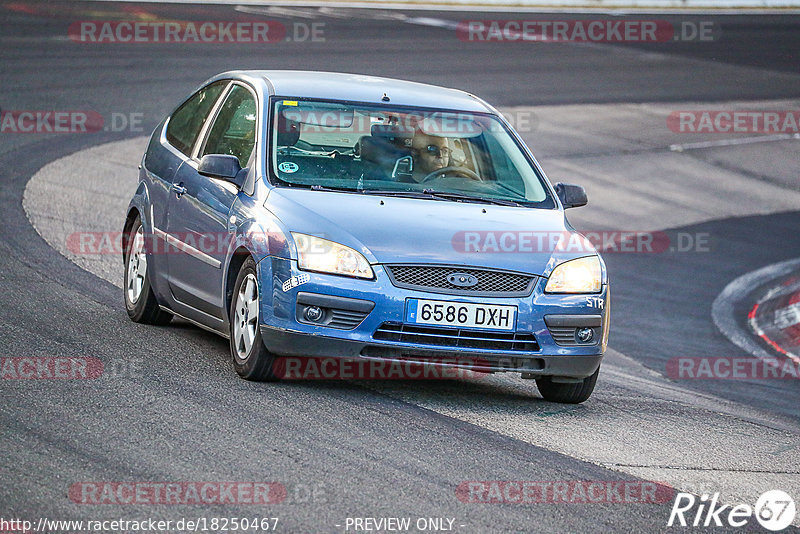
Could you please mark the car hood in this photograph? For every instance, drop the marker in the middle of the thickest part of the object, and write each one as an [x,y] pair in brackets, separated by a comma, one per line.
[401,230]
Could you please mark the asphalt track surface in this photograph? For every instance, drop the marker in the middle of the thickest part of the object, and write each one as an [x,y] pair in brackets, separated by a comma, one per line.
[173,410]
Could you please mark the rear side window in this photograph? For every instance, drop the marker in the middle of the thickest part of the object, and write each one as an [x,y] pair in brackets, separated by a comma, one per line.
[187,121]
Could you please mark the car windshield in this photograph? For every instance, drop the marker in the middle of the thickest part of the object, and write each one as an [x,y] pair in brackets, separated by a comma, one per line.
[402,151]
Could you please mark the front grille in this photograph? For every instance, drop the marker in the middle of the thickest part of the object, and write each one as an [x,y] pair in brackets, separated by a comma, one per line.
[433,278]
[456,337]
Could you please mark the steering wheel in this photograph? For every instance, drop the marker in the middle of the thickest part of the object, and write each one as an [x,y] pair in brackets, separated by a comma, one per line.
[463,171]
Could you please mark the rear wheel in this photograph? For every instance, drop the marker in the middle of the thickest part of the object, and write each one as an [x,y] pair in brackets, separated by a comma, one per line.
[251,359]
[567,392]
[140,301]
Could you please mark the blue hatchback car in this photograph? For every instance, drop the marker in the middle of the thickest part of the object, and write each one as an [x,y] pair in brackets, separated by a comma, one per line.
[324,215]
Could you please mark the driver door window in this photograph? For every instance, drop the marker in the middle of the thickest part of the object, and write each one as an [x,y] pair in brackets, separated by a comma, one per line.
[234,128]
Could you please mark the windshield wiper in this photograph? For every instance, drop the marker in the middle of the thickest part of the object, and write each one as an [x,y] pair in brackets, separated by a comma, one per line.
[430,194]
[390,193]
[459,197]
[317,187]
[409,194]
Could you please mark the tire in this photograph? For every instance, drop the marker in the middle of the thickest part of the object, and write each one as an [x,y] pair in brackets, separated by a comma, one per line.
[140,301]
[251,359]
[574,393]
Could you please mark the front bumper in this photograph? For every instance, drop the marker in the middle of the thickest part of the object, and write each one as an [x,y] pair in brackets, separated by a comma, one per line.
[286,333]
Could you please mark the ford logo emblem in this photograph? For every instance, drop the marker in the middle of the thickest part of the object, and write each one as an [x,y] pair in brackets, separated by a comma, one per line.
[462,280]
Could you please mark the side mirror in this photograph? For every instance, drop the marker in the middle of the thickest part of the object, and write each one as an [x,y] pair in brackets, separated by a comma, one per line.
[571,196]
[223,167]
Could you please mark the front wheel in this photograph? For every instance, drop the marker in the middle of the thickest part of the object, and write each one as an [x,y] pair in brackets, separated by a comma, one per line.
[251,359]
[140,301]
[567,393]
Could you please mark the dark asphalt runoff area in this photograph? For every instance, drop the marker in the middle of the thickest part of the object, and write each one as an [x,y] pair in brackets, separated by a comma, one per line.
[173,410]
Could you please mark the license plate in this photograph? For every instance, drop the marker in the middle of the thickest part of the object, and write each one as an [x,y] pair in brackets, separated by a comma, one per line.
[461,314]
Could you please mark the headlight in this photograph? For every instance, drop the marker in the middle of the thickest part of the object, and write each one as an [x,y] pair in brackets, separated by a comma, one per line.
[583,275]
[323,256]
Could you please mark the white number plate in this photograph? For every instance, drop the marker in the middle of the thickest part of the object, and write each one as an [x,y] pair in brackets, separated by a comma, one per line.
[461,314]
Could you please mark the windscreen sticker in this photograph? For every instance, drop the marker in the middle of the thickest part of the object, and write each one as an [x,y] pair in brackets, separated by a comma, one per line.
[290,102]
[288,167]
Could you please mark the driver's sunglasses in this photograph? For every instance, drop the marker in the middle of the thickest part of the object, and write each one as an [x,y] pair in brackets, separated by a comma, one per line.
[438,152]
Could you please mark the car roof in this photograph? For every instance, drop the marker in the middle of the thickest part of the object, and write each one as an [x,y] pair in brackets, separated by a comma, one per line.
[359,88]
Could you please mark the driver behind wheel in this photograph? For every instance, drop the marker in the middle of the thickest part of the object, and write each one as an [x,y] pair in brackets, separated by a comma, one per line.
[430,154]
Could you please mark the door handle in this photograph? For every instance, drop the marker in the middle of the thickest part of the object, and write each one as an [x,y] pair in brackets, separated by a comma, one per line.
[178,189]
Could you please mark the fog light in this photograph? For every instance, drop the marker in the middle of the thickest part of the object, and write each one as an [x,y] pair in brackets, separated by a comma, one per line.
[313,313]
[585,335]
